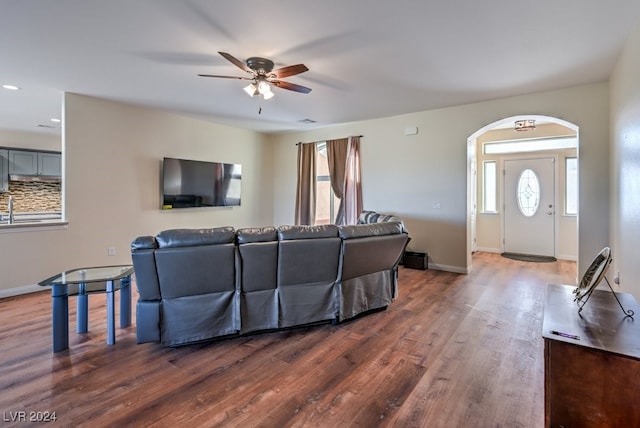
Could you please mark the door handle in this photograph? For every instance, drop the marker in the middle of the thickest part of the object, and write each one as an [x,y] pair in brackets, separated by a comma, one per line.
[549,212]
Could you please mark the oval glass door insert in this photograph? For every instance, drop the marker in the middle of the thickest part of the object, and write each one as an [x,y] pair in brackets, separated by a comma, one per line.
[528,193]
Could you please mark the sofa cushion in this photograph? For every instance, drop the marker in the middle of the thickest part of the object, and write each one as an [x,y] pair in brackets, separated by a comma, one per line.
[258,265]
[367,217]
[307,232]
[173,238]
[196,270]
[256,234]
[308,261]
[373,229]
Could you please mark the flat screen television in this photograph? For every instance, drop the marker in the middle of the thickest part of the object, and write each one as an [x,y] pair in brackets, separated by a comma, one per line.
[191,183]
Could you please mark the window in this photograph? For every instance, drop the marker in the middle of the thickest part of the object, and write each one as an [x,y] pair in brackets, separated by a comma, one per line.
[528,193]
[327,203]
[530,145]
[571,186]
[489,186]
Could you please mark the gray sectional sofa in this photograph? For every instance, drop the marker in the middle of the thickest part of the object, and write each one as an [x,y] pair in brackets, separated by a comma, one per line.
[200,284]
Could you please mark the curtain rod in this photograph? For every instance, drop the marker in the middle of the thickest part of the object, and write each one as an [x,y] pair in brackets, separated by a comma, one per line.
[313,142]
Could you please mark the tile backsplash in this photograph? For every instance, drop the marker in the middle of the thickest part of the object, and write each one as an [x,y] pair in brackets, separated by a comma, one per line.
[32,196]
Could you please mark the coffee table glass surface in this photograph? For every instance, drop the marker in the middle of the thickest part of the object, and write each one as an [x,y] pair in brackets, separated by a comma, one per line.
[81,282]
[93,277]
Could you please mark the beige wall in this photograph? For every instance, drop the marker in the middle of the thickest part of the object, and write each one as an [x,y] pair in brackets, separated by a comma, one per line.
[411,175]
[625,167]
[112,158]
[30,140]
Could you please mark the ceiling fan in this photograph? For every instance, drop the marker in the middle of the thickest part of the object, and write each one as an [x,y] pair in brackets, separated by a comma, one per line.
[263,76]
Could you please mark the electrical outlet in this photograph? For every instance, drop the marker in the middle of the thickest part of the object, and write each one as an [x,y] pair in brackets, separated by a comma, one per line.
[436,205]
[111,251]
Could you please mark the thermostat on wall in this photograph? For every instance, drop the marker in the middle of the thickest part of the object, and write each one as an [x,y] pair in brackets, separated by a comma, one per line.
[411,130]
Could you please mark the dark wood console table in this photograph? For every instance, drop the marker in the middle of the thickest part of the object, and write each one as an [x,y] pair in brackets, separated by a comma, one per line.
[592,360]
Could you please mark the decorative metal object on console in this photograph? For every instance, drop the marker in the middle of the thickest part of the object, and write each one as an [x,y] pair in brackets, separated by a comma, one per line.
[592,277]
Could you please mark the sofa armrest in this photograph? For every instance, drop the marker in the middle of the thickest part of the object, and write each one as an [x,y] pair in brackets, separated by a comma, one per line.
[144,265]
[144,243]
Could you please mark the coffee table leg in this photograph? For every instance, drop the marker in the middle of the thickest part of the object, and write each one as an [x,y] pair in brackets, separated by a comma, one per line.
[83,309]
[111,317]
[125,302]
[60,317]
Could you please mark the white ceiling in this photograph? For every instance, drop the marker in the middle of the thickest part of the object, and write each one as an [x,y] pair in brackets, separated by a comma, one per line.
[367,59]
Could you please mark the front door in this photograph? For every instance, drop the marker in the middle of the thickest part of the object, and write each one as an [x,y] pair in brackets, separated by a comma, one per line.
[529,206]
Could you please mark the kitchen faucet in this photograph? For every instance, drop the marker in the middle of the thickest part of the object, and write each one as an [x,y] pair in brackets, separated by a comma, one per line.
[10,221]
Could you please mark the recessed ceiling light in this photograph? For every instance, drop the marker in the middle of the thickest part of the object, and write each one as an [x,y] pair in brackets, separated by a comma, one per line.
[11,87]
[53,119]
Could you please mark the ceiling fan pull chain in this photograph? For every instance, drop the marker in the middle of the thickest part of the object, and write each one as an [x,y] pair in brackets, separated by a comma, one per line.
[260,105]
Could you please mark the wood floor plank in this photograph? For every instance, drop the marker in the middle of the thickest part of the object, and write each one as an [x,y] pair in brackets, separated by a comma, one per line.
[452,350]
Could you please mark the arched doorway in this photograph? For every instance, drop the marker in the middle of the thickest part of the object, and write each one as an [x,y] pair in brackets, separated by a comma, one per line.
[486,225]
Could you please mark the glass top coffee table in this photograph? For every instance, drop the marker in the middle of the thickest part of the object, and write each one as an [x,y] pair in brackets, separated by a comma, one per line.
[82,282]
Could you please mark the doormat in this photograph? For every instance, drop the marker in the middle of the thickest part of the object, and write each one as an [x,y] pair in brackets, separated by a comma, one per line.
[529,258]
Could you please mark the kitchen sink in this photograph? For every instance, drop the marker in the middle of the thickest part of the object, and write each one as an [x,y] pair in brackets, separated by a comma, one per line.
[31,217]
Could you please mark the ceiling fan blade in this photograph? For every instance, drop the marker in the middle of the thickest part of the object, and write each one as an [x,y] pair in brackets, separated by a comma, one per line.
[226,77]
[235,61]
[290,70]
[291,86]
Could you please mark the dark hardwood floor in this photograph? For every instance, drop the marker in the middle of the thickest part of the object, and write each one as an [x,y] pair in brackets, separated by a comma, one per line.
[452,351]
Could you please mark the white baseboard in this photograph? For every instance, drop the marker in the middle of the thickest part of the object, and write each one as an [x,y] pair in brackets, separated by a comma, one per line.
[21,290]
[489,250]
[449,268]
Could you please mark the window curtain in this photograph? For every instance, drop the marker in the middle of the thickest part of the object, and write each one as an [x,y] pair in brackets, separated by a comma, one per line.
[351,203]
[337,159]
[305,213]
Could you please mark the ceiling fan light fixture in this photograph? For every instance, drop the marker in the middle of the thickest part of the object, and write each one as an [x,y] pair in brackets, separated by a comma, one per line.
[251,89]
[265,90]
[263,76]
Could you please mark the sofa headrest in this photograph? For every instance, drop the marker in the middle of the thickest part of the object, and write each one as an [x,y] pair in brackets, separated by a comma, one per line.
[193,237]
[307,232]
[257,234]
[144,243]
[373,229]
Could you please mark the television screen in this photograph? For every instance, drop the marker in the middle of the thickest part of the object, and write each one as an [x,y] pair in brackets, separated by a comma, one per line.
[189,183]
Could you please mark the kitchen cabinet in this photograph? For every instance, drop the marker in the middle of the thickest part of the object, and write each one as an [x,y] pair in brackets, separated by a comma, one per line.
[49,164]
[4,170]
[25,162]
